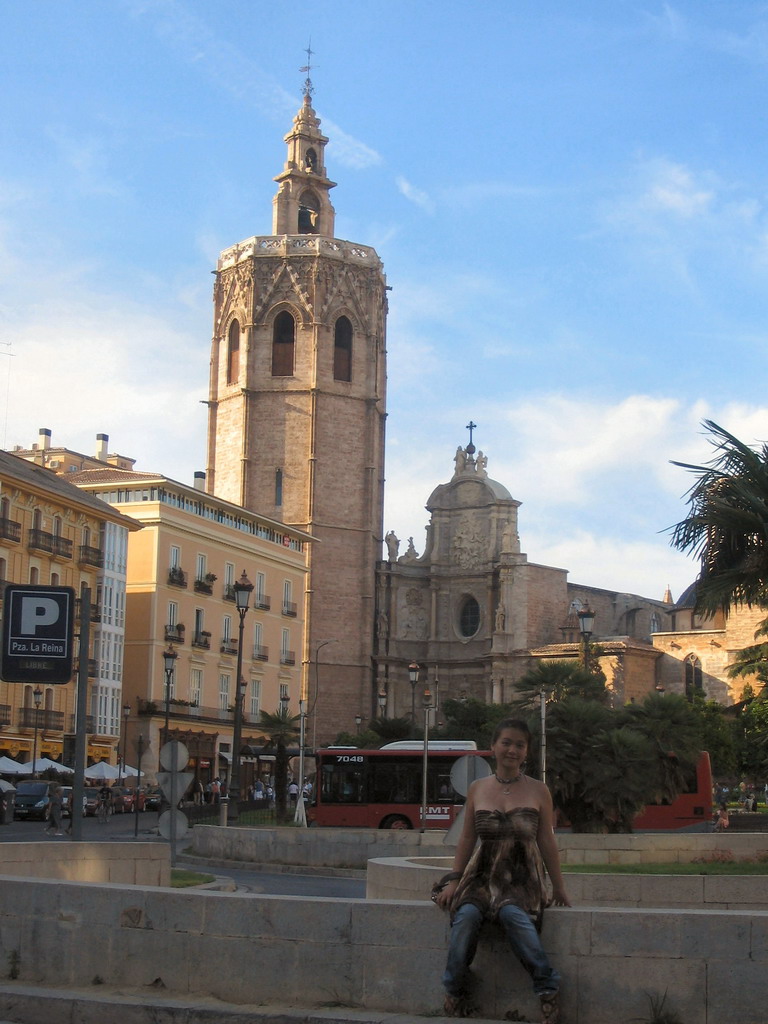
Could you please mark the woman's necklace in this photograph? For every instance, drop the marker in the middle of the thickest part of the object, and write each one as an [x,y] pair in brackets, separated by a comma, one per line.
[508,782]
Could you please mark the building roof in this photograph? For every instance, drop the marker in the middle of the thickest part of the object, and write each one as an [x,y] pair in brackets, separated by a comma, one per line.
[46,481]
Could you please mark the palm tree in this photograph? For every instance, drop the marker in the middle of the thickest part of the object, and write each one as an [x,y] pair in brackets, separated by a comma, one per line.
[281,727]
[559,679]
[727,526]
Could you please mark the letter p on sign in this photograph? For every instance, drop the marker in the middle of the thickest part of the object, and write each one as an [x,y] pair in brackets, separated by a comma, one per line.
[37,612]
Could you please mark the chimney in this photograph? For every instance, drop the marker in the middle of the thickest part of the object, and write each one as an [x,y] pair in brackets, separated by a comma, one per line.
[102,443]
[199,480]
[43,438]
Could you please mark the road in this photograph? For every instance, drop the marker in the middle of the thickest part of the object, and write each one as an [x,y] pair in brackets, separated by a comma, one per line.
[121,828]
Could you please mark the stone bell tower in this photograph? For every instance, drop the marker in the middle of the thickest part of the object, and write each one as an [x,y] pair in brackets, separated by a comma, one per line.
[297,408]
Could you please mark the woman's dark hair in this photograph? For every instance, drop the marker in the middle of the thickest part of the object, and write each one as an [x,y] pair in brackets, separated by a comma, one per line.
[512,723]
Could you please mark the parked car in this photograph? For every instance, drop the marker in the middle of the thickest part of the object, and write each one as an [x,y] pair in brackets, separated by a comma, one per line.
[124,800]
[31,800]
[90,801]
[66,801]
[153,798]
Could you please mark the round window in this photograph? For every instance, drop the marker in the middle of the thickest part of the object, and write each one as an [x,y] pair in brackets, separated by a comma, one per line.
[469,617]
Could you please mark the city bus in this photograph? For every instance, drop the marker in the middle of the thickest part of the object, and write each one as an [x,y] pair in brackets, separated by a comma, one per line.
[383,789]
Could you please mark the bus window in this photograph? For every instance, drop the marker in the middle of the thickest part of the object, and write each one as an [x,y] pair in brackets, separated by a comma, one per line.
[342,784]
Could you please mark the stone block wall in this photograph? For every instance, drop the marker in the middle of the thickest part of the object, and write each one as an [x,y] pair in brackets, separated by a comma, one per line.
[375,955]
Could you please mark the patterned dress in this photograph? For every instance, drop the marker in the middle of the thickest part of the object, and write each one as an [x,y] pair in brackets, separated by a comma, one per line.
[506,866]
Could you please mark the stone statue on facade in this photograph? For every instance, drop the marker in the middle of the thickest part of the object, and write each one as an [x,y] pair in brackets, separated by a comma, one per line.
[393,546]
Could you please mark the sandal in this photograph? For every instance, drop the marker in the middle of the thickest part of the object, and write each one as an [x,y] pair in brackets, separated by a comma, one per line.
[550,1008]
[458,1006]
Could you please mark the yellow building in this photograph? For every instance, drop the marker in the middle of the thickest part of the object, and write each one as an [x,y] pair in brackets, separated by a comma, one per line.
[54,534]
[182,567]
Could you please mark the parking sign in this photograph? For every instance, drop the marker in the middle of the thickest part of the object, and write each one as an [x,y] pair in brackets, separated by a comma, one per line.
[38,627]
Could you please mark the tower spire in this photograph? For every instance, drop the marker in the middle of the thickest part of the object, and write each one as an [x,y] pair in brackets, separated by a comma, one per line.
[308,88]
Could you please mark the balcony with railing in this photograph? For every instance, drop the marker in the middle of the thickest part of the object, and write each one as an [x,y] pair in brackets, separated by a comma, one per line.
[51,543]
[202,640]
[289,608]
[93,667]
[95,611]
[48,721]
[90,723]
[177,577]
[10,530]
[287,657]
[204,584]
[228,645]
[90,556]
[187,709]
[174,634]
[5,714]
[262,602]
[260,652]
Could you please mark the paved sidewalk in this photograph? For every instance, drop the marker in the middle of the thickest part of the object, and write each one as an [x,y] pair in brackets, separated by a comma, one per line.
[27,1004]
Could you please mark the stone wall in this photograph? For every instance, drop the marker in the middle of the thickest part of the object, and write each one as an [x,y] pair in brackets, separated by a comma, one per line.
[412,878]
[376,955]
[124,863]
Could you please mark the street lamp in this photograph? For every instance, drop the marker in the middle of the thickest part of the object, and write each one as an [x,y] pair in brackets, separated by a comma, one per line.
[243,589]
[413,675]
[300,818]
[586,626]
[382,698]
[313,710]
[427,708]
[121,764]
[169,660]
[358,723]
[37,695]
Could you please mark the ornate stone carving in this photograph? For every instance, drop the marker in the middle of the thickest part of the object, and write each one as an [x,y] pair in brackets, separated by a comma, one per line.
[468,544]
[412,615]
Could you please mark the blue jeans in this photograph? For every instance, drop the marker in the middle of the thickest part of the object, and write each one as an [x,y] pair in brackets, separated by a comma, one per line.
[521,935]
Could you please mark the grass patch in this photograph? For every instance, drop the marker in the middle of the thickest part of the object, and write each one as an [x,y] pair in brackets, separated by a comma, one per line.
[181,879]
[712,868]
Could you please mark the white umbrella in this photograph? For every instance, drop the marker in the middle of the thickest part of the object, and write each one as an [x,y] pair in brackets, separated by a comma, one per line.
[102,770]
[42,764]
[10,767]
[127,771]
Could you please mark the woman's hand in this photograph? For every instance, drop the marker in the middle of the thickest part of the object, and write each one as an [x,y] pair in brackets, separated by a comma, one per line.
[443,898]
[560,897]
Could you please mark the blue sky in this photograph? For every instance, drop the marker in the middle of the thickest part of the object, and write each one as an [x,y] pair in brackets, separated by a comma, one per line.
[570,200]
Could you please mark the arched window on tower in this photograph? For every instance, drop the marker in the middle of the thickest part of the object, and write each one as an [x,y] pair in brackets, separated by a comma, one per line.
[233,353]
[342,350]
[310,161]
[309,214]
[283,342]
[693,681]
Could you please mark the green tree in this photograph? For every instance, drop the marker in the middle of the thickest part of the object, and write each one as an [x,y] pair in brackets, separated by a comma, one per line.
[559,679]
[727,524]
[281,728]
[718,736]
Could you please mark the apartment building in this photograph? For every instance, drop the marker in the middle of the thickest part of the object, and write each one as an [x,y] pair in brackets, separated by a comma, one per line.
[181,571]
[54,534]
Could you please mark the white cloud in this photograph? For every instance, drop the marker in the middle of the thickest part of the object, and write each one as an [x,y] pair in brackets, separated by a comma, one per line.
[414,195]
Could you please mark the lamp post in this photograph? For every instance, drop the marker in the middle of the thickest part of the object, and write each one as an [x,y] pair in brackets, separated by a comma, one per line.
[427,708]
[243,589]
[586,626]
[169,660]
[313,710]
[543,699]
[358,723]
[121,764]
[413,675]
[139,752]
[382,698]
[300,818]
[37,695]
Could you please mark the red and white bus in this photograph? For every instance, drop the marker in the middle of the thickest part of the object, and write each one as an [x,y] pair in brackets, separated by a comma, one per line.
[383,789]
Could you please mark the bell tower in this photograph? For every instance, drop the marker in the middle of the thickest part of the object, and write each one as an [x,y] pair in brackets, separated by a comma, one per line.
[297,408]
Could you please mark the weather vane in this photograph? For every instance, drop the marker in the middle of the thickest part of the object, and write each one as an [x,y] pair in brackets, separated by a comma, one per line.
[308,87]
